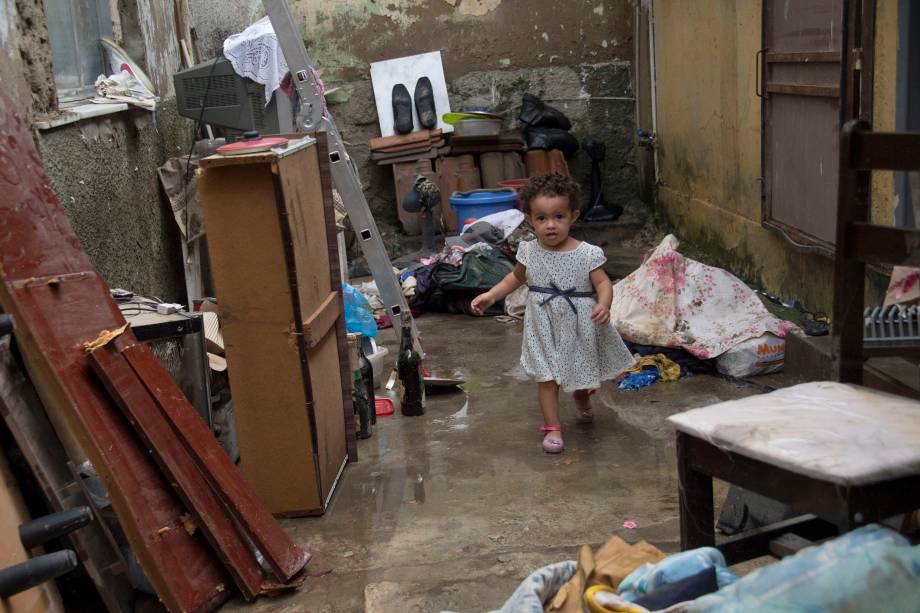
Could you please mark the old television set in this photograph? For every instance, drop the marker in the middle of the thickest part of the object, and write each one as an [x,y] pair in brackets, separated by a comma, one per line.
[234,103]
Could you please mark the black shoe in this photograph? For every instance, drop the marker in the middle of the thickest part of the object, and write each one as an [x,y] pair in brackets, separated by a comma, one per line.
[424,103]
[552,138]
[537,114]
[402,109]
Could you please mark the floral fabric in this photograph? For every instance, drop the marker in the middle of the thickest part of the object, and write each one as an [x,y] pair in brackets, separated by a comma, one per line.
[674,301]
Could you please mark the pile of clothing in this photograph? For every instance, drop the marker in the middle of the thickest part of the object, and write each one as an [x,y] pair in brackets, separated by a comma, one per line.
[471,263]
[869,568]
[672,301]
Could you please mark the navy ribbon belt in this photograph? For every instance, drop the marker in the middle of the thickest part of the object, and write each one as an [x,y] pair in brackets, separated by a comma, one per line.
[554,292]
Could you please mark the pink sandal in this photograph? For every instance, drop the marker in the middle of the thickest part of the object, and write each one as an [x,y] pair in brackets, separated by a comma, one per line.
[552,445]
[586,416]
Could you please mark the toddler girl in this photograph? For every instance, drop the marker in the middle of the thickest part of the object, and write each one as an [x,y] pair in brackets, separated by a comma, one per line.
[569,341]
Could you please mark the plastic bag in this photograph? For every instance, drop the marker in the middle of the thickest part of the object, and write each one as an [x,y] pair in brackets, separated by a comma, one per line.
[648,578]
[359,317]
[757,356]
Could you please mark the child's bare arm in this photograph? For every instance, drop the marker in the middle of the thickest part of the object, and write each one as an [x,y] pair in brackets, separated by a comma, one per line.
[515,279]
[604,289]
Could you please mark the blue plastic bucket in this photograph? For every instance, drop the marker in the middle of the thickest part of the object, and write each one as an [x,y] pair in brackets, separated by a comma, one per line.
[479,203]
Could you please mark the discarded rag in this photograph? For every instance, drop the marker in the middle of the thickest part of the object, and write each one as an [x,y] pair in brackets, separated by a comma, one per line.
[609,566]
[667,369]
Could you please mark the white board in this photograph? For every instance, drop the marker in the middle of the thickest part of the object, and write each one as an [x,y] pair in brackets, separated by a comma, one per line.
[408,70]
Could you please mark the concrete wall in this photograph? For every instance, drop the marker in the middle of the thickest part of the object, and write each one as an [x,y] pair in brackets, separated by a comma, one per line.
[104,169]
[709,133]
[575,55]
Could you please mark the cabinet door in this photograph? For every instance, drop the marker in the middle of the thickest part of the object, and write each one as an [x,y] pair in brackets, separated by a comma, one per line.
[319,294]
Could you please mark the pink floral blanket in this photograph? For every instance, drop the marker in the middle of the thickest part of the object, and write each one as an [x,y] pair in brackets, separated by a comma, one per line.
[673,301]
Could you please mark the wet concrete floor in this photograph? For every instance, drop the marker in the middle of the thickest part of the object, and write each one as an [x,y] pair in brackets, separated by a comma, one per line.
[452,510]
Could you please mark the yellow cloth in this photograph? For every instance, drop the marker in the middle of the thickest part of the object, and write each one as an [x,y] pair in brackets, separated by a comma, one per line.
[609,566]
[668,370]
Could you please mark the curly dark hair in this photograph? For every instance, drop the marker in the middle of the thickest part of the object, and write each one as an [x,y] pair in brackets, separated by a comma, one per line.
[552,184]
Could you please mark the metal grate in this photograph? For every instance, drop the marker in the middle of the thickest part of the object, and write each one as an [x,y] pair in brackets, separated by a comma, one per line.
[222,91]
[894,325]
[257,104]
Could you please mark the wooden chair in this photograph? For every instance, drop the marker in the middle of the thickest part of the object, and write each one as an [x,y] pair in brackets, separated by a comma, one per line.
[860,242]
[842,454]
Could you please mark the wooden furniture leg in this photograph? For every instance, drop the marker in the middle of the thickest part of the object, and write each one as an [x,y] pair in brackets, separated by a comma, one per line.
[697,523]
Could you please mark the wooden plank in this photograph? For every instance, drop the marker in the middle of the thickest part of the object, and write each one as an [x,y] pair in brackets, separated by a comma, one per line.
[317,325]
[252,285]
[755,543]
[885,150]
[697,519]
[129,393]
[237,496]
[44,597]
[25,417]
[313,262]
[875,244]
[788,544]
[384,142]
[59,302]
[853,189]
[824,91]
[804,57]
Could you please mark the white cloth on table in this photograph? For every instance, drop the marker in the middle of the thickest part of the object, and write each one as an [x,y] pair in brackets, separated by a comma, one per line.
[561,344]
[845,434]
[256,54]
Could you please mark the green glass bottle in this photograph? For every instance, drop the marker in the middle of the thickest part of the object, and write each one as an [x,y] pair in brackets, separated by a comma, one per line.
[409,368]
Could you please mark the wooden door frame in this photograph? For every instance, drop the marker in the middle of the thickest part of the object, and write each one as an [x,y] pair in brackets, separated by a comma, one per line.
[856,77]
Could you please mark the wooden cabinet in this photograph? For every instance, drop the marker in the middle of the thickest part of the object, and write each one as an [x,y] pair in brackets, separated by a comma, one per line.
[271,239]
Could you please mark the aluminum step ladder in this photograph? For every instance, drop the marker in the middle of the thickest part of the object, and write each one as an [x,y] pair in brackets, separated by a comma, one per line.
[311,118]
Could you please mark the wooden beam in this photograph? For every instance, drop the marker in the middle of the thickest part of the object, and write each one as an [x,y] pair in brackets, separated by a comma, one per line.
[239,499]
[53,320]
[806,57]
[884,150]
[875,244]
[823,91]
[190,485]
[318,324]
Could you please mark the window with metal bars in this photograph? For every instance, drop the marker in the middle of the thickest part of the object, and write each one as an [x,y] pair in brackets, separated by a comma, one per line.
[74,30]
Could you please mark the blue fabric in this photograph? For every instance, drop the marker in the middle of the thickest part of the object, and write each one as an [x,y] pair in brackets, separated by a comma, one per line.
[870,569]
[649,577]
[638,380]
[539,588]
[684,590]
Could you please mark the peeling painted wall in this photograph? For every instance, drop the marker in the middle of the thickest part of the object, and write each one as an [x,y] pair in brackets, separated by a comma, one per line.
[575,55]
[104,169]
[709,134]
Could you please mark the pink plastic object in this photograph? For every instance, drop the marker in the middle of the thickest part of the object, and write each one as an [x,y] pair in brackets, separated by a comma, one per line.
[384,407]
[242,147]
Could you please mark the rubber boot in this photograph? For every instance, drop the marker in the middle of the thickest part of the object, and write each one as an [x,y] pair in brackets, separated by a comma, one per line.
[424,104]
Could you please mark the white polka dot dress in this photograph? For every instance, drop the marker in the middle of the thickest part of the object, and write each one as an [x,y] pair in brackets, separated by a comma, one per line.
[561,344]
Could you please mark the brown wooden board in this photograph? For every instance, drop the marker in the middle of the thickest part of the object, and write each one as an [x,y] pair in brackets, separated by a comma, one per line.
[236,495]
[134,400]
[318,324]
[306,213]
[59,302]
[25,417]
[257,321]
[394,141]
